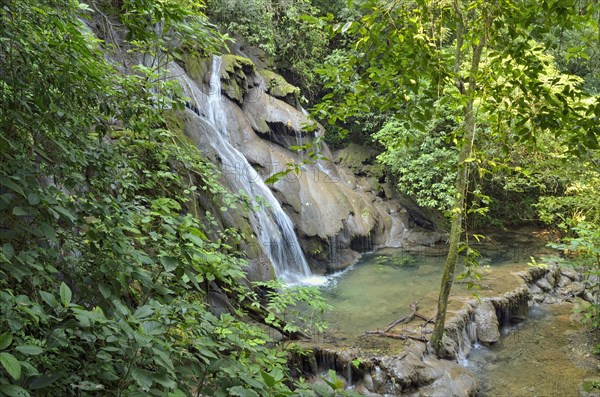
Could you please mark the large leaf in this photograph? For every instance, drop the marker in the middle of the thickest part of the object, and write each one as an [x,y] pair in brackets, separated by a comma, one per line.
[14,391]
[169,263]
[5,340]
[11,365]
[65,294]
[241,392]
[144,378]
[30,350]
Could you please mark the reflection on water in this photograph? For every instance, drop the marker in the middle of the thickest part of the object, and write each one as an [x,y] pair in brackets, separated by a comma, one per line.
[533,358]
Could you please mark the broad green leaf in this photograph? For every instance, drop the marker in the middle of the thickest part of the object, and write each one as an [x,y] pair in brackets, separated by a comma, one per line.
[5,340]
[12,185]
[19,211]
[143,312]
[195,239]
[65,213]
[65,294]
[241,392]
[11,365]
[14,391]
[49,299]
[33,199]
[169,263]
[268,379]
[143,378]
[8,250]
[30,350]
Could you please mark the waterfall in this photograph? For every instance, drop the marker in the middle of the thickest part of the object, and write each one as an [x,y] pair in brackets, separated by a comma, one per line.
[273,227]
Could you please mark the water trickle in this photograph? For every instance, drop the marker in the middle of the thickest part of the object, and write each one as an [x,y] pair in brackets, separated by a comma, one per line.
[271,224]
[334,248]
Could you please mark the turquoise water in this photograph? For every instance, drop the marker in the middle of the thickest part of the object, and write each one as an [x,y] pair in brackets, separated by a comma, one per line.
[381,286]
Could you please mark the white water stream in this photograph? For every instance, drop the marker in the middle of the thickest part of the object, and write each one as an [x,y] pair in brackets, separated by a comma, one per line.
[272,225]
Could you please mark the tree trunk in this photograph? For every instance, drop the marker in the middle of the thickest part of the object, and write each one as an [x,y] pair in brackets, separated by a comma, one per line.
[458,208]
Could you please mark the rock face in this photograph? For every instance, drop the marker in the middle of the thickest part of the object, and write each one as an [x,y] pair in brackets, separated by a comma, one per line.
[336,213]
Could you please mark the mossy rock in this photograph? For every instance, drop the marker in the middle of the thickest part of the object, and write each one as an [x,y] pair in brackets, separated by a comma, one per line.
[354,154]
[175,122]
[590,387]
[235,64]
[196,66]
[277,86]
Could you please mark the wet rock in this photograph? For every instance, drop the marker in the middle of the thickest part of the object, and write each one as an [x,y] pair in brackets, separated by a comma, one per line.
[544,285]
[535,290]
[564,281]
[552,278]
[572,290]
[570,273]
[455,382]
[488,329]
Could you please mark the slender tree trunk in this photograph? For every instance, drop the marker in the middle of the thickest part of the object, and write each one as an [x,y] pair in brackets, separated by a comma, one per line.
[458,208]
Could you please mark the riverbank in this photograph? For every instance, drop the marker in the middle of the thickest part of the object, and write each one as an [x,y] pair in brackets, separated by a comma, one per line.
[381,366]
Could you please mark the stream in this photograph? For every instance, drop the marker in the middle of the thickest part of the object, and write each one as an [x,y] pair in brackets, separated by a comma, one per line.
[547,355]
[380,287]
[539,357]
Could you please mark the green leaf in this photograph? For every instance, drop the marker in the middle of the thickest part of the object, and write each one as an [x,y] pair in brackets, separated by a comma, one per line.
[169,263]
[241,392]
[269,380]
[30,350]
[11,365]
[49,299]
[65,294]
[5,340]
[8,251]
[14,391]
[11,185]
[143,378]
[19,211]
[197,240]
[33,199]
[104,290]
[64,212]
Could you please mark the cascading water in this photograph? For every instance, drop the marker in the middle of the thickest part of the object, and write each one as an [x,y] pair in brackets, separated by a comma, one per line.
[273,227]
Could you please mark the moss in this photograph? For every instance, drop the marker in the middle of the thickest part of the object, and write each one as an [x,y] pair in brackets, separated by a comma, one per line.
[235,64]
[175,122]
[277,85]
[196,66]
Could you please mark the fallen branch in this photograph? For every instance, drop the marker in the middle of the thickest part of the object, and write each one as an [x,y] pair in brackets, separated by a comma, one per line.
[395,336]
[408,318]
[404,320]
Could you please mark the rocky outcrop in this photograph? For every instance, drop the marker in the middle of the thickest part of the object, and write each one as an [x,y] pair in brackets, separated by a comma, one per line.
[338,210]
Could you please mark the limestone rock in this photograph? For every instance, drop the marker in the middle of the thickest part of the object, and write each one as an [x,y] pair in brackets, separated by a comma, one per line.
[572,289]
[488,329]
[544,285]
[570,273]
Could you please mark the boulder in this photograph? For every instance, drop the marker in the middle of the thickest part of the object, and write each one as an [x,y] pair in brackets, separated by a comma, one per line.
[488,328]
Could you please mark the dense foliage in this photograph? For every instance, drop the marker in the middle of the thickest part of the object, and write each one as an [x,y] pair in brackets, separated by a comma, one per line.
[467,87]
[107,259]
